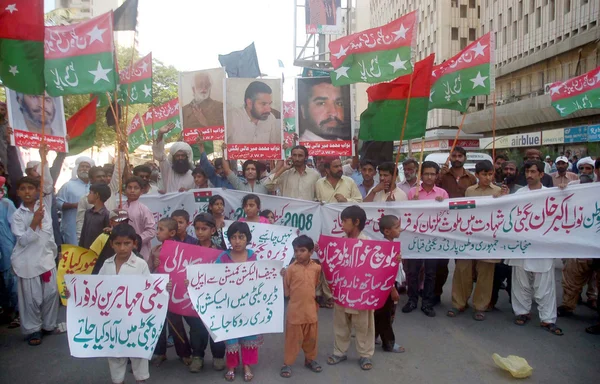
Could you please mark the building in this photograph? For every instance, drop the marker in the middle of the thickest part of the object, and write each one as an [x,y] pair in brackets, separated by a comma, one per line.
[538,42]
[89,8]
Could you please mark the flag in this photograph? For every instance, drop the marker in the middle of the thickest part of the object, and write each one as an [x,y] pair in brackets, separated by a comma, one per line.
[158,117]
[138,83]
[126,16]
[136,133]
[469,73]
[80,58]
[581,92]
[241,63]
[202,196]
[22,45]
[375,55]
[81,128]
[465,204]
[384,116]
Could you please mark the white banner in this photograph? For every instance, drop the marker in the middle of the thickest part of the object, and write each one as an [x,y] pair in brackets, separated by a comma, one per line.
[551,223]
[238,300]
[115,316]
[269,241]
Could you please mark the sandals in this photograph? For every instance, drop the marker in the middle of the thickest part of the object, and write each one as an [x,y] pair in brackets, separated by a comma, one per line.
[334,359]
[248,376]
[365,363]
[16,323]
[522,319]
[313,366]
[157,360]
[478,316]
[396,349]
[593,329]
[230,375]
[286,372]
[453,312]
[552,328]
[34,339]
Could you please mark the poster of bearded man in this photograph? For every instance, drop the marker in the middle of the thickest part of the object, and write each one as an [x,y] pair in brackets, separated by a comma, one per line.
[25,118]
[201,97]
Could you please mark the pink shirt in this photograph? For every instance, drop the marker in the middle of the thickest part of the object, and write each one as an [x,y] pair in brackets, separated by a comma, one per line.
[263,220]
[424,195]
[142,220]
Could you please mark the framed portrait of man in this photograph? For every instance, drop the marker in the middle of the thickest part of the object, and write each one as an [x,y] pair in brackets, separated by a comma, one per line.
[324,17]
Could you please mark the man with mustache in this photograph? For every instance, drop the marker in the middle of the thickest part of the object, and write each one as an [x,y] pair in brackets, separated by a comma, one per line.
[562,176]
[176,168]
[254,123]
[30,118]
[202,111]
[322,111]
[586,171]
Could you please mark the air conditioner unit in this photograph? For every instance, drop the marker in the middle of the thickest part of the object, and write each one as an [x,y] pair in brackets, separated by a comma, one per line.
[547,88]
[499,102]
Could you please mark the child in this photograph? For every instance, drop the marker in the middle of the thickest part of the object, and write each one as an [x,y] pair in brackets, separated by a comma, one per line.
[96,218]
[239,237]
[389,226]
[101,246]
[354,219]
[269,215]
[139,215]
[216,207]
[183,221]
[251,205]
[200,179]
[301,327]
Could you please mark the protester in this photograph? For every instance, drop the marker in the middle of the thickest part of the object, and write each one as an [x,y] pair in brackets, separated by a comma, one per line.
[216,207]
[144,172]
[533,155]
[368,169]
[293,178]
[269,215]
[216,172]
[97,217]
[562,176]
[409,167]
[176,168]
[386,190]
[498,163]
[250,170]
[200,178]
[301,325]
[335,187]
[182,217]
[573,165]
[140,217]
[69,195]
[4,142]
[586,171]
[96,176]
[251,206]
[509,176]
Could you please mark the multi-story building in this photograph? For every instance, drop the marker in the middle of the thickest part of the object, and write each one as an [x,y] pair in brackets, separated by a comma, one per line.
[89,8]
[537,43]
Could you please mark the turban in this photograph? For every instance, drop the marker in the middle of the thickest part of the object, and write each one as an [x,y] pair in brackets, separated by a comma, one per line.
[586,160]
[181,146]
[32,164]
[82,159]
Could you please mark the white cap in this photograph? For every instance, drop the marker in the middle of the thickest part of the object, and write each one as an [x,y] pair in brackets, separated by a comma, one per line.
[562,158]
[586,160]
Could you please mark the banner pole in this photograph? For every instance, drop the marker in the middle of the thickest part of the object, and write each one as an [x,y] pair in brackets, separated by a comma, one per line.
[494,126]
[43,151]
[129,85]
[118,150]
[403,126]
[420,168]
[456,137]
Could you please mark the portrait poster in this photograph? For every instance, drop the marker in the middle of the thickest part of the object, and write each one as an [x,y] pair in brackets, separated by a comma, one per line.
[324,17]
[201,100]
[25,118]
[324,117]
[253,119]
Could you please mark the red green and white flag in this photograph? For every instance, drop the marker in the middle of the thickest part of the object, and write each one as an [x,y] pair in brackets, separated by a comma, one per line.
[81,128]
[158,117]
[290,127]
[581,92]
[136,133]
[22,45]
[465,204]
[80,58]
[137,82]
[375,55]
[384,116]
[467,74]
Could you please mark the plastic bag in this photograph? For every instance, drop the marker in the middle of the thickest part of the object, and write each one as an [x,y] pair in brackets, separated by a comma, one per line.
[517,366]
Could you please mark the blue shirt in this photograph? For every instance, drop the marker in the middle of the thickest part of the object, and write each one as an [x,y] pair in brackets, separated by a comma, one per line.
[188,240]
[71,192]
[209,169]
[7,239]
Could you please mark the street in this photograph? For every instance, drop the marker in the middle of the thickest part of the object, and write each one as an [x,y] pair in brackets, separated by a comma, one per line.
[438,350]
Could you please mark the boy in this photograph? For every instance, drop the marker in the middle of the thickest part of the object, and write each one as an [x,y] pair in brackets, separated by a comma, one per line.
[389,226]
[101,245]
[386,190]
[97,217]
[200,179]
[462,282]
[183,221]
[354,219]
[301,328]
[139,215]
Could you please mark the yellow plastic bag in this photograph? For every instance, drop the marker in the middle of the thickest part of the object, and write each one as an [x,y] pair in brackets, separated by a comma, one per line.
[517,366]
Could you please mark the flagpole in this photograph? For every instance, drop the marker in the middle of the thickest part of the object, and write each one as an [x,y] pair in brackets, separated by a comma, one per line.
[420,168]
[456,137]
[129,85]
[118,150]
[494,127]
[403,126]
[43,151]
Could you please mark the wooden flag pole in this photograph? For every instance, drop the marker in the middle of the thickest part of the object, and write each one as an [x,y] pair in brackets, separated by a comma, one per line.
[129,85]
[420,168]
[456,137]
[43,152]
[494,127]
[118,149]
[403,126]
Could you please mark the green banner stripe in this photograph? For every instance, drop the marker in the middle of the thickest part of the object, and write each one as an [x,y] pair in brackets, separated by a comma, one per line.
[81,74]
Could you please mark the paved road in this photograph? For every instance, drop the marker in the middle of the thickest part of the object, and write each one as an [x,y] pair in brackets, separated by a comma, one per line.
[439,350]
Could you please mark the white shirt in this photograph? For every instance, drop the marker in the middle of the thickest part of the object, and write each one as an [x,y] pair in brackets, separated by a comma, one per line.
[172,181]
[241,130]
[134,266]
[532,265]
[382,196]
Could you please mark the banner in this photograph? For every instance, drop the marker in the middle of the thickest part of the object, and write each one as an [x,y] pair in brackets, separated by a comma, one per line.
[73,260]
[269,241]
[324,17]
[174,258]
[550,223]
[115,316]
[136,133]
[237,300]
[360,273]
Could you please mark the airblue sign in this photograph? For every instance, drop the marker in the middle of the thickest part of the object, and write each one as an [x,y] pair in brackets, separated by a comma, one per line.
[576,134]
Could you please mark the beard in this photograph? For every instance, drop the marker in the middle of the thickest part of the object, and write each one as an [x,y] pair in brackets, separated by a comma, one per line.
[83,175]
[181,166]
[457,164]
[331,133]
[584,179]
[200,97]
[510,179]
[35,116]
[259,116]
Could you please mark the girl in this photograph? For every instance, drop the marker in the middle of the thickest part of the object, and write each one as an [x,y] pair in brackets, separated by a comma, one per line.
[239,236]
[140,217]
[269,215]
[251,205]
[216,207]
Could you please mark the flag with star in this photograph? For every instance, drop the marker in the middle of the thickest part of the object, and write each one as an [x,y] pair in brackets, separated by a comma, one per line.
[136,82]
[136,133]
[80,58]
[158,117]
[375,55]
[469,73]
[289,126]
[22,45]
[384,116]
[581,92]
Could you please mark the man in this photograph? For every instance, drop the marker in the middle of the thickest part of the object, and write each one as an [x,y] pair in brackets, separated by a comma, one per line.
[455,182]
[254,123]
[562,177]
[498,161]
[509,176]
[368,170]
[251,182]
[335,187]
[3,133]
[534,155]
[586,171]
[573,166]
[409,166]
[386,190]
[96,176]
[68,198]
[30,116]
[293,178]
[176,169]
[533,278]
[202,111]
[322,111]
[215,173]
[549,165]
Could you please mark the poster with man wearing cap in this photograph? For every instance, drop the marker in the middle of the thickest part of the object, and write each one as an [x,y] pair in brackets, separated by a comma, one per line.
[25,116]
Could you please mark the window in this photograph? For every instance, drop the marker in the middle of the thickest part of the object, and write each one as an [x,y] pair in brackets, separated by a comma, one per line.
[463,11]
[509,16]
[526,25]
[463,43]
[583,2]
[514,32]
[538,17]
[551,11]
[567,6]
[471,3]
[453,3]
[454,33]
[520,10]
[531,6]
[482,30]
[472,34]
[504,36]
[500,21]
[495,40]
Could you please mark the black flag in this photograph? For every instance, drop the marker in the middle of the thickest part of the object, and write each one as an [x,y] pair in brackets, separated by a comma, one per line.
[126,16]
[241,63]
